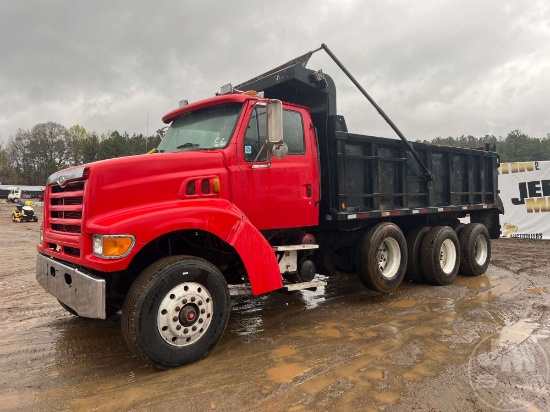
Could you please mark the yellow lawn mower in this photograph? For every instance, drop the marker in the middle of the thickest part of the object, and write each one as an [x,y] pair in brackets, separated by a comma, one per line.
[24,213]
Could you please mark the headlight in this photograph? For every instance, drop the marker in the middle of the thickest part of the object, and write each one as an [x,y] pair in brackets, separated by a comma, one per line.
[113,246]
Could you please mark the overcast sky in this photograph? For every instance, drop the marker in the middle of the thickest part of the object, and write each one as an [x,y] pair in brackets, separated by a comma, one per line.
[438,68]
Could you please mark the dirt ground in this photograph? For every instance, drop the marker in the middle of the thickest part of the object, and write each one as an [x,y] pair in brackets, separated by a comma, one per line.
[479,344]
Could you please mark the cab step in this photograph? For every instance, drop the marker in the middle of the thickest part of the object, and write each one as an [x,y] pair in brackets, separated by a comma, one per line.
[305,285]
[290,248]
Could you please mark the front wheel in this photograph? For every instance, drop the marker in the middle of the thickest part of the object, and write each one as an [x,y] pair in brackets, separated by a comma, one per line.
[176,311]
[382,258]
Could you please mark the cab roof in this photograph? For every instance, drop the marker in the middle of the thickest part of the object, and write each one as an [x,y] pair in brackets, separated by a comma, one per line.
[226,98]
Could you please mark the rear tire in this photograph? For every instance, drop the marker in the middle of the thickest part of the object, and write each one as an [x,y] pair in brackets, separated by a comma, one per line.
[414,245]
[176,311]
[475,246]
[440,254]
[382,258]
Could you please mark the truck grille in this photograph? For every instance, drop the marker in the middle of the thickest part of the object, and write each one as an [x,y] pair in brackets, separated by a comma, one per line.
[66,207]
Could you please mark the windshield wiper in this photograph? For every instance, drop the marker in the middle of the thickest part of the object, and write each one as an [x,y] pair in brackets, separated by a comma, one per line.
[188,144]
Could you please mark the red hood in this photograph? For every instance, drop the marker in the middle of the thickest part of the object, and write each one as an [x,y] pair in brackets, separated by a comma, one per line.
[135,181]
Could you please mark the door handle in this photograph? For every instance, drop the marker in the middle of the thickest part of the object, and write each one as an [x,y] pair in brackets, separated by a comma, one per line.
[308,190]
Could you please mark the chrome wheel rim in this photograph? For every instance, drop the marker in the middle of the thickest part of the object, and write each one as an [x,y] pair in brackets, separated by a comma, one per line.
[185,314]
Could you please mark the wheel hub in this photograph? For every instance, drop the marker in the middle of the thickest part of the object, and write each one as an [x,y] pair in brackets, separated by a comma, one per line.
[185,313]
[189,314]
[389,257]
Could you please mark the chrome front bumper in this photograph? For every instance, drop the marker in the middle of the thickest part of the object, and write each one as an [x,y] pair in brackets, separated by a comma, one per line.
[83,292]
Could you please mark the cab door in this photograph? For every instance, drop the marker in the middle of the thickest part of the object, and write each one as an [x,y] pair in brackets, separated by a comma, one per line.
[279,193]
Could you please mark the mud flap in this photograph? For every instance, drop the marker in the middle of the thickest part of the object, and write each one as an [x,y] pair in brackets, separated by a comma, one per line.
[257,255]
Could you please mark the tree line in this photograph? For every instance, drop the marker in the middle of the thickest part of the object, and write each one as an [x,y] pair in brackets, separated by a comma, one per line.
[515,147]
[30,156]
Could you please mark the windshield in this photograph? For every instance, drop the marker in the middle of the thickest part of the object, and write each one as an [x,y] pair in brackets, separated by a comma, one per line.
[208,128]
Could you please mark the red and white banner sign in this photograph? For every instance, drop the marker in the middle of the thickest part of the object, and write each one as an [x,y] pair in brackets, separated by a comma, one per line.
[525,192]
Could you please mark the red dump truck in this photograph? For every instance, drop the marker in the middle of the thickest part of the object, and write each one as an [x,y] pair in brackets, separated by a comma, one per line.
[263,186]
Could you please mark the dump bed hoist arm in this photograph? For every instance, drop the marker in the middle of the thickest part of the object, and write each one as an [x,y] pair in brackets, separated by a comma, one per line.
[379,109]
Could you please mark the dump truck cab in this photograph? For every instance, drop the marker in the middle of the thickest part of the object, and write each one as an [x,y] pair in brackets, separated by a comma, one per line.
[257,180]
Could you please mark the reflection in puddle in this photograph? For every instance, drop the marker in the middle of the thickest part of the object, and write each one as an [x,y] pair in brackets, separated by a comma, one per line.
[387,397]
[330,330]
[283,352]
[285,372]
[494,292]
[405,303]
[313,298]
[474,282]
[536,290]
[518,332]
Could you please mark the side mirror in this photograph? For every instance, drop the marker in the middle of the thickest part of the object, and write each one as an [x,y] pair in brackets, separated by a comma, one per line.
[280,150]
[274,110]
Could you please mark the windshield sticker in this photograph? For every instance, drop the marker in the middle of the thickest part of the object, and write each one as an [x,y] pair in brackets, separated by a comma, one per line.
[248,149]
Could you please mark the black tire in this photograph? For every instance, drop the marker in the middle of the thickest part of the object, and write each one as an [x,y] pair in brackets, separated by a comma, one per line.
[13,218]
[382,257]
[459,228]
[191,289]
[440,255]
[475,246]
[68,308]
[414,244]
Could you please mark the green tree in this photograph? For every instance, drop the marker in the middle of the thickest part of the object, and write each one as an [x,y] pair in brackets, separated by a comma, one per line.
[519,147]
[8,174]
[90,148]
[19,157]
[76,138]
[48,150]
[115,145]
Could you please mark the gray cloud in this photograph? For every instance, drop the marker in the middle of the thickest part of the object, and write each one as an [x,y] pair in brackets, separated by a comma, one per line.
[438,68]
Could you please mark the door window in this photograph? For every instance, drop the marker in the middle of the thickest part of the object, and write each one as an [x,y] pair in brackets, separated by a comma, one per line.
[255,136]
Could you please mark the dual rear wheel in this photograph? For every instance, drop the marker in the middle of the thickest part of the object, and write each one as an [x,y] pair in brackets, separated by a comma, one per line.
[431,255]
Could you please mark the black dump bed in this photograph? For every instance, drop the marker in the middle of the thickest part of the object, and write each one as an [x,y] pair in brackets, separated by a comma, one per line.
[378,175]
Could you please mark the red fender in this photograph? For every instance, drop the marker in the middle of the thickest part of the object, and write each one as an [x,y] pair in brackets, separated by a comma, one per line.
[258,257]
[216,216]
